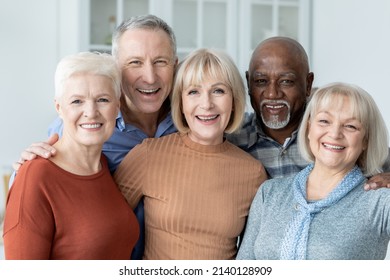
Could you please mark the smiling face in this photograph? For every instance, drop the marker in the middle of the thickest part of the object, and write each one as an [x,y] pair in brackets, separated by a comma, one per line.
[88,107]
[207,108]
[147,62]
[279,83]
[336,137]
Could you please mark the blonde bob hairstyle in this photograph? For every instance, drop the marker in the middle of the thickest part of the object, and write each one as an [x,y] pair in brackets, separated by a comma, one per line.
[193,70]
[364,109]
[87,62]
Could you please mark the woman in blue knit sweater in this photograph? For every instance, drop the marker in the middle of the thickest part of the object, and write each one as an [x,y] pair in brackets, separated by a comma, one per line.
[323,212]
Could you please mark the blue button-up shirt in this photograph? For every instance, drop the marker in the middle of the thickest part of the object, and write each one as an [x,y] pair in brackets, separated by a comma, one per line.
[278,160]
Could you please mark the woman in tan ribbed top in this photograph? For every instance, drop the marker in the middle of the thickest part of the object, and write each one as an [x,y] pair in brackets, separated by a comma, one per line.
[197,187]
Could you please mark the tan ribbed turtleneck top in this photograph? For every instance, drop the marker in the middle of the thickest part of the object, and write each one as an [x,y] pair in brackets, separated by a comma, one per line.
[196,197]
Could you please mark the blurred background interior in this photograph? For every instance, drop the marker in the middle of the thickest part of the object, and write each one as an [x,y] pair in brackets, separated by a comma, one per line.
[346,41]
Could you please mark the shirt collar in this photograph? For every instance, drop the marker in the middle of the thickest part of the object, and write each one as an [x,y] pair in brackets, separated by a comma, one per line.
[259,133]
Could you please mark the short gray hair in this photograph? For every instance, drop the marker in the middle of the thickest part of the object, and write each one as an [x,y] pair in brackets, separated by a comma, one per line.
[364,110]
[149,22]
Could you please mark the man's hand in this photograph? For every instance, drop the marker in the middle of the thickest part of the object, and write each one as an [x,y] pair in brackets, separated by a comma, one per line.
[42,149]
[381,180]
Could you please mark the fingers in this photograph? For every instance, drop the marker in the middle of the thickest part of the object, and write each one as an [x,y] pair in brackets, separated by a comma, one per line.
[52,139]
[23,158]
[42,149]
[16,165]
[378,181]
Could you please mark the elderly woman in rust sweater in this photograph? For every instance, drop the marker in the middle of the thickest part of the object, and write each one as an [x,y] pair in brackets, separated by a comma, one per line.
[197,187]
[68,206]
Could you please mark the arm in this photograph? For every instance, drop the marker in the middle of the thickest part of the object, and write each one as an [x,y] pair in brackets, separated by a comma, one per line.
[28,223]
[131,173]
[246,251]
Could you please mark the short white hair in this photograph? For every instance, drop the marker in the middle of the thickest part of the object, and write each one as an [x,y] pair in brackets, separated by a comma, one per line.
[87,62]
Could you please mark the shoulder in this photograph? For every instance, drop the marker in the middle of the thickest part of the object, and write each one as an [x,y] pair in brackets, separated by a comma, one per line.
[277,186]
[31,177]
[238,152]
[37,167]
[157,143]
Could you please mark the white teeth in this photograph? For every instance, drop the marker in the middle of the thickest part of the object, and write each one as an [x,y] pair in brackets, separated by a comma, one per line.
[207,118]
[274,106]
[333,147]
[95,125]
[148,90]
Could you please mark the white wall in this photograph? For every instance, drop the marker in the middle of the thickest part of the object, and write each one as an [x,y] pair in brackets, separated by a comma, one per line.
[28,54]
[351,43]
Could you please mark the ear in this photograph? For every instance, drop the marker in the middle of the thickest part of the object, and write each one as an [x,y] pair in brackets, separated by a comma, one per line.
[365,144]
[247,82]
[309,83]
[57,106]
[308,129]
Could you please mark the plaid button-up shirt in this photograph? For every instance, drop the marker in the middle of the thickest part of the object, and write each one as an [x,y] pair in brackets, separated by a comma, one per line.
[278,160]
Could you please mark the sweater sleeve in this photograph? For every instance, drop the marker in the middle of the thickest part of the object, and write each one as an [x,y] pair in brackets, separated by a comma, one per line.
[246,250]
[379,211]
[29,223]
[130,174]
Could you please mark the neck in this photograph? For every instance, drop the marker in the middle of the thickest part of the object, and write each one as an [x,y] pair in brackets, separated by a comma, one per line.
[322,181]
[88,158]
[147,122]
[279,135]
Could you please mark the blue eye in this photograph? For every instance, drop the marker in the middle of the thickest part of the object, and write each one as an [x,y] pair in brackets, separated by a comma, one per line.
[323,121]
[77,101]
[351,127]
[192,92]
[103,100]
[161,62]
[219,91]
[134,63]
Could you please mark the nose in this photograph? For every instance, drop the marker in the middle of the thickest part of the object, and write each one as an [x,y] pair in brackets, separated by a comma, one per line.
[335,131]
[149,73]
[206,102]
[272,91]
[90,109]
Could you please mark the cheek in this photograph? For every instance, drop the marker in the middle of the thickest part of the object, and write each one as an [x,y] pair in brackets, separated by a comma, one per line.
[186,104]
[128,76]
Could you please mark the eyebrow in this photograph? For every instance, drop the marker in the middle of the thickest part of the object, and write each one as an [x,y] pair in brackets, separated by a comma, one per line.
[283,74]
[213,85]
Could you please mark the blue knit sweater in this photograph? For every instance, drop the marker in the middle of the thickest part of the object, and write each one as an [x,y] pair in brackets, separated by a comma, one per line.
[357,227]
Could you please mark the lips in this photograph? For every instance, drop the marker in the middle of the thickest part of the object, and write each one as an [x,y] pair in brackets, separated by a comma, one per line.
[207,118]
[274,107]
[148,91]
[333,147]
[91,125]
